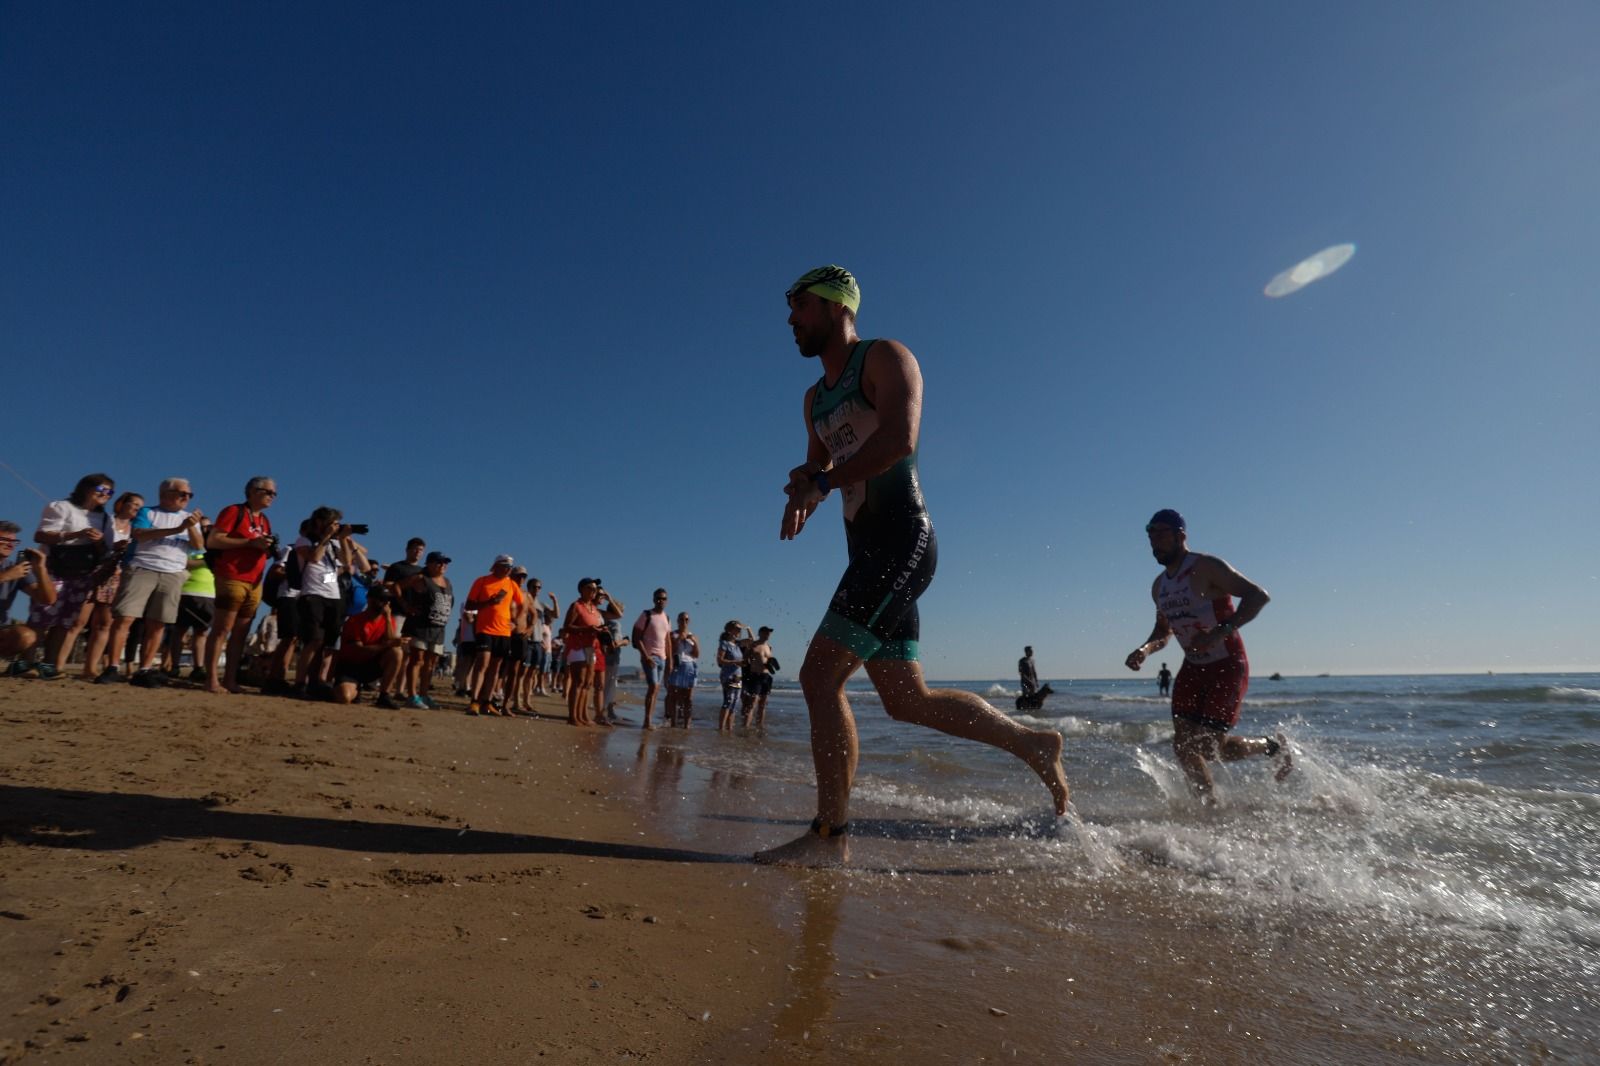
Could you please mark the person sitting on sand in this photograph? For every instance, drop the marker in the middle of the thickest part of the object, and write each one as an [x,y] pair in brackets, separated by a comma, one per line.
[370,650]
[25,572]
[862,422]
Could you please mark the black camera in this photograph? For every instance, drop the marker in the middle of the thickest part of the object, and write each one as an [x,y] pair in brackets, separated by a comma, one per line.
[354,528]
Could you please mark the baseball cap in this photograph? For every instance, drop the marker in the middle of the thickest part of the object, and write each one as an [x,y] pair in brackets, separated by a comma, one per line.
[1166,517]
[437,557]
[764,629]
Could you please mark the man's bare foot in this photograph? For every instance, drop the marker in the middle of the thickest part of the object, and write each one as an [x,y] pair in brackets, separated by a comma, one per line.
[1282,757]
[215,688]
[809,850]
[1043,754]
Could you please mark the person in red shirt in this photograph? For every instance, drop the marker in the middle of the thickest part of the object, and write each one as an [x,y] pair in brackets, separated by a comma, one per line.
[369,651]
[243,541]
[494,596]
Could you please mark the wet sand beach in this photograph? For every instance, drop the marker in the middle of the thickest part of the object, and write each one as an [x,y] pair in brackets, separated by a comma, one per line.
[190,878]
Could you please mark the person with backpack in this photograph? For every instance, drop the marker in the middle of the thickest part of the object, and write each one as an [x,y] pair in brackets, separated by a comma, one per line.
[239,547]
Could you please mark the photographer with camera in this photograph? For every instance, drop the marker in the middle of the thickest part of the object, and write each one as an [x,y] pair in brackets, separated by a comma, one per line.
[323,554]
[77,533]
[240,545]
[152,584]
[370,650]
[24,572]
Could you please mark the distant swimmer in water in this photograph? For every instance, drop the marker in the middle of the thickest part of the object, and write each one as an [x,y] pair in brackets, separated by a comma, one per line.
[1194,602]
[1164,679]
[862,420]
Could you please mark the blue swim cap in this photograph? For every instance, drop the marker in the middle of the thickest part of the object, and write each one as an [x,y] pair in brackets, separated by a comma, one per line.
[1165,517]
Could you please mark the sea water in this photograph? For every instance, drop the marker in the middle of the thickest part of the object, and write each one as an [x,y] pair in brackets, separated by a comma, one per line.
[1425,885]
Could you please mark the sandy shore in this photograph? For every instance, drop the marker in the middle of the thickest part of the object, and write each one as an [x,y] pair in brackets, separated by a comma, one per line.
[201,879]
[195,879]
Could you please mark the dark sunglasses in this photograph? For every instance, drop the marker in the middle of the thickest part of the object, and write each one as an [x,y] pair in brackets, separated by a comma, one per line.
[104,490]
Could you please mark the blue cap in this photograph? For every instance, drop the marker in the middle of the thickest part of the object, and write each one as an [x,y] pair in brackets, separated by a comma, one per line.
[1166,517]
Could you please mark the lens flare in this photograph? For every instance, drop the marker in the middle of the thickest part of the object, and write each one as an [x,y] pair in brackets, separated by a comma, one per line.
[1312,268]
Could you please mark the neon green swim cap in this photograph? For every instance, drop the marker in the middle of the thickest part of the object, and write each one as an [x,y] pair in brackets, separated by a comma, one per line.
[831,283]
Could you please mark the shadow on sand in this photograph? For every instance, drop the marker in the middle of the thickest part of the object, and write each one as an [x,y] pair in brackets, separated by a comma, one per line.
[117,821]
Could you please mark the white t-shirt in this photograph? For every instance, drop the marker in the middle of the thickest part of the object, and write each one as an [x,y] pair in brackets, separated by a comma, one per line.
[320,579]
[64,516]
[169,555]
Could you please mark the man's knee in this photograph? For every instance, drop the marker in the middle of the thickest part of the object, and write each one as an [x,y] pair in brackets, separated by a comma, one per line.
[344,693]
[17,639]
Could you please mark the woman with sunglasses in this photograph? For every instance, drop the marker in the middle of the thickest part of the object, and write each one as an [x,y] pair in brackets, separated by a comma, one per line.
[78,533]
[96,610]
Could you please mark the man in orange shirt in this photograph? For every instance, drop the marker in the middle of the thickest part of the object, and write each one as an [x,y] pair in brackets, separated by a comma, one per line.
[494,596]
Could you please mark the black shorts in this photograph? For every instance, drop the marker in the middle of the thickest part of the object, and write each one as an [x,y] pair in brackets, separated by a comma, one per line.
[517,647]
[758,684]
[874,609]
[497,647]
[194,612]
[359,672]
[321,618]
[288,613]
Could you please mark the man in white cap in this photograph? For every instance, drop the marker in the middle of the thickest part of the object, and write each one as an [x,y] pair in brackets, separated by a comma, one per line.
[494,596]
[862,420]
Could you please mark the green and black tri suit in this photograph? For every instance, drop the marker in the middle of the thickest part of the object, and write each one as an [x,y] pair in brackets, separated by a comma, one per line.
[893,551]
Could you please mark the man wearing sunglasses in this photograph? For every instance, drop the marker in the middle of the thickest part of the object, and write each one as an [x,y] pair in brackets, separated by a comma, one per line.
[163,538]
[1194,602]
[243,542]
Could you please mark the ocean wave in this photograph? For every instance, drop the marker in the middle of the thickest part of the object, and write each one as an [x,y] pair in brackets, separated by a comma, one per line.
[1523,694]
[1073,727]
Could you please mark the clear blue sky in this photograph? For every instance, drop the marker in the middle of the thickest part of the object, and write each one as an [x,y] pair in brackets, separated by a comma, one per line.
[511,277]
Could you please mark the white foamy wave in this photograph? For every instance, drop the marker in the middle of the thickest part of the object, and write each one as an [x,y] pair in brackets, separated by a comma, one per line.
[1567,692]
[1374,839]
[1280,701]
[998,691]
[970,809]
[1111,697]
[1071,727]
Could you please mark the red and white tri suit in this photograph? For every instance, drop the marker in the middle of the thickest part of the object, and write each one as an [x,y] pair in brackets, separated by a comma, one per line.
[1212,681]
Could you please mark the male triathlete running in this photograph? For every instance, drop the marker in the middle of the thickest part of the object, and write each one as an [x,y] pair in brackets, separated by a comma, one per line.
[1194,602]
[862,420]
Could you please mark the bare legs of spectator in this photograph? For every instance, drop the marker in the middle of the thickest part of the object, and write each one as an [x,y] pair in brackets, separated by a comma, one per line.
[230,626]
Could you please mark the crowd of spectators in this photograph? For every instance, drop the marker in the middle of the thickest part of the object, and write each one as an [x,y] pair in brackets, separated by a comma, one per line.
[155,586]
